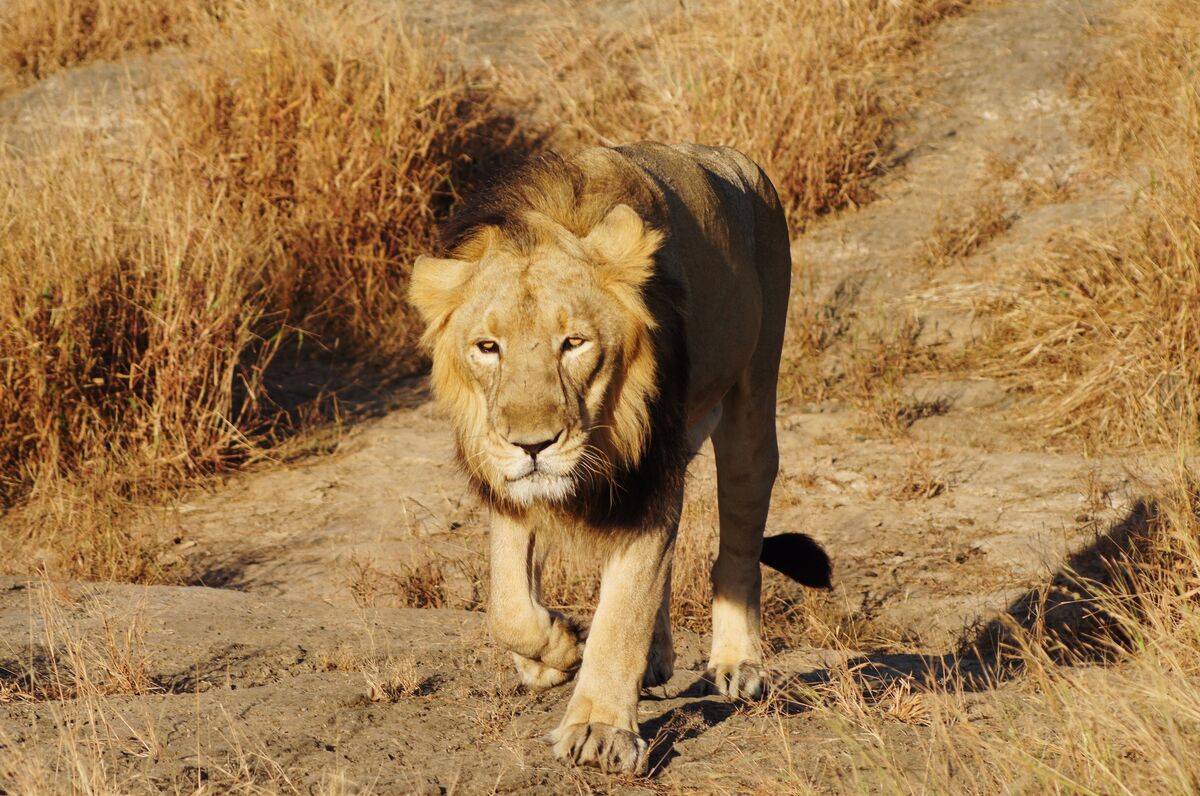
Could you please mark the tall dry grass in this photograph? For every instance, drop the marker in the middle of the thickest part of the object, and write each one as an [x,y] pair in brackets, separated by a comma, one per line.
[344,137]
[1108,329]
[277,191]
[128,307]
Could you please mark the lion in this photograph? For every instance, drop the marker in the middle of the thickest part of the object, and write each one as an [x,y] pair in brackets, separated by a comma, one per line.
[595,320]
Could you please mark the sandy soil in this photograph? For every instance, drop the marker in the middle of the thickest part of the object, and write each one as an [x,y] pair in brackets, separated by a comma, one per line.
[246,664]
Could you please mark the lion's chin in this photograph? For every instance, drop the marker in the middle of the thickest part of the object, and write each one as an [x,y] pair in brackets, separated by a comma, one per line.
[539,487]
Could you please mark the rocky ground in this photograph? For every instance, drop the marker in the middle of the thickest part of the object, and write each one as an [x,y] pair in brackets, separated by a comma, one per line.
[290,659]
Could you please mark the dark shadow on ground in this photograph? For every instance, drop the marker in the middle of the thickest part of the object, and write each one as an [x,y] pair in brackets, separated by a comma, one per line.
[1064,618]
[306,389]
[682,723]
[227,572]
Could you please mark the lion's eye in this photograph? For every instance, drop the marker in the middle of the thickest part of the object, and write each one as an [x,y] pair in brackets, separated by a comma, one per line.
[488,346]
[572,343]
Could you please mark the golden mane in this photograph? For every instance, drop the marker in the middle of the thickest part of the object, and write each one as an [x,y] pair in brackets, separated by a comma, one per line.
[593,207]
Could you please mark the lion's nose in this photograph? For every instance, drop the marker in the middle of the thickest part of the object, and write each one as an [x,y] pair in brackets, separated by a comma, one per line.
[534,448]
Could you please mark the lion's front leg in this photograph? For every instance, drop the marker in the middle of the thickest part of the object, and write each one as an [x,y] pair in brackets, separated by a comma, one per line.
[600,726]
[546,645]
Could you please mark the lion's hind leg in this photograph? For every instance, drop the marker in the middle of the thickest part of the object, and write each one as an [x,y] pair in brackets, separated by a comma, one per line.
[747,458]
[747,461]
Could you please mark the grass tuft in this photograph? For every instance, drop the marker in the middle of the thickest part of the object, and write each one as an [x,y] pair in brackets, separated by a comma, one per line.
[1107,331]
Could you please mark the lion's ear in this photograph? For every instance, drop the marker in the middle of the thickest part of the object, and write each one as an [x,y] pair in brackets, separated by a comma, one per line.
[436,288]
[625,245]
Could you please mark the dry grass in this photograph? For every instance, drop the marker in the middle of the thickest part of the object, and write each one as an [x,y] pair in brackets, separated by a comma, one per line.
[1108,330]
[388,678]
[279,196]
[73,672]
[851,694]
[394,679]
[431,582]
[1108,335]
[1092,690]
[103,271]
[835,354]
[81,652]
[41,37]
[921,478]
[954,239]
[345,148]
[280,184]
[422,586]
[66,665]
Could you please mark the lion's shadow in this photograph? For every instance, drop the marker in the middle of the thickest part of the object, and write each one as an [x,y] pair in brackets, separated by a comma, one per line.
[1064,617]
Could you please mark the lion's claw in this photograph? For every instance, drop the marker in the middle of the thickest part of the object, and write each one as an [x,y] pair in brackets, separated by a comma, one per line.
[742,680]
[609,748]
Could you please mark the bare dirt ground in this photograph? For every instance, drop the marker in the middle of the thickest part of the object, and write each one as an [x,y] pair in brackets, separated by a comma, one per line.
[935,526]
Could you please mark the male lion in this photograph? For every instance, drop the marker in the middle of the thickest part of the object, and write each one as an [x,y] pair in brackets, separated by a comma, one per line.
[598,319]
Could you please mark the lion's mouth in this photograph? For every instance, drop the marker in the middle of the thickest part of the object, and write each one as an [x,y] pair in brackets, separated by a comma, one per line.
[548,468]
[534,473]
[537,485]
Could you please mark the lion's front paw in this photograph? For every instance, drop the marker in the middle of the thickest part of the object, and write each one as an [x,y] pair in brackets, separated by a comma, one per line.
[537,676]
[609,748]
[742,680]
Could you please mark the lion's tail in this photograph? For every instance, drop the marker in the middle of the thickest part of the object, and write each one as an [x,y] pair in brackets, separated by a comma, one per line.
[800,558]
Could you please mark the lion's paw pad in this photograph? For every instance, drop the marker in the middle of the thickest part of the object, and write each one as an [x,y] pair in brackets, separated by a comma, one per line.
[743,680]
[609,748]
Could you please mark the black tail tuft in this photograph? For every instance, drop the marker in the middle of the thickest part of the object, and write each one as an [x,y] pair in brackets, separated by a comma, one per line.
[800,558]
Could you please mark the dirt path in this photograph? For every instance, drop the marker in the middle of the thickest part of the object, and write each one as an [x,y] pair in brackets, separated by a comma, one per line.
[933,528]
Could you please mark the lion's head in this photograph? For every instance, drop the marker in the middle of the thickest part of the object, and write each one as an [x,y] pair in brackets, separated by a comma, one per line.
[542,350]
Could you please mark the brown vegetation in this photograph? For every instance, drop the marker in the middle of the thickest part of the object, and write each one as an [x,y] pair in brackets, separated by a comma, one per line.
[1108,327]
[953,239]
[63,664]
[809,89]
[288,179]
[1064,726]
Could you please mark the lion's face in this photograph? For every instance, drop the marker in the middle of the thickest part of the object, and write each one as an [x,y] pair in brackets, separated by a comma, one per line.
[538,344]
[533,350]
